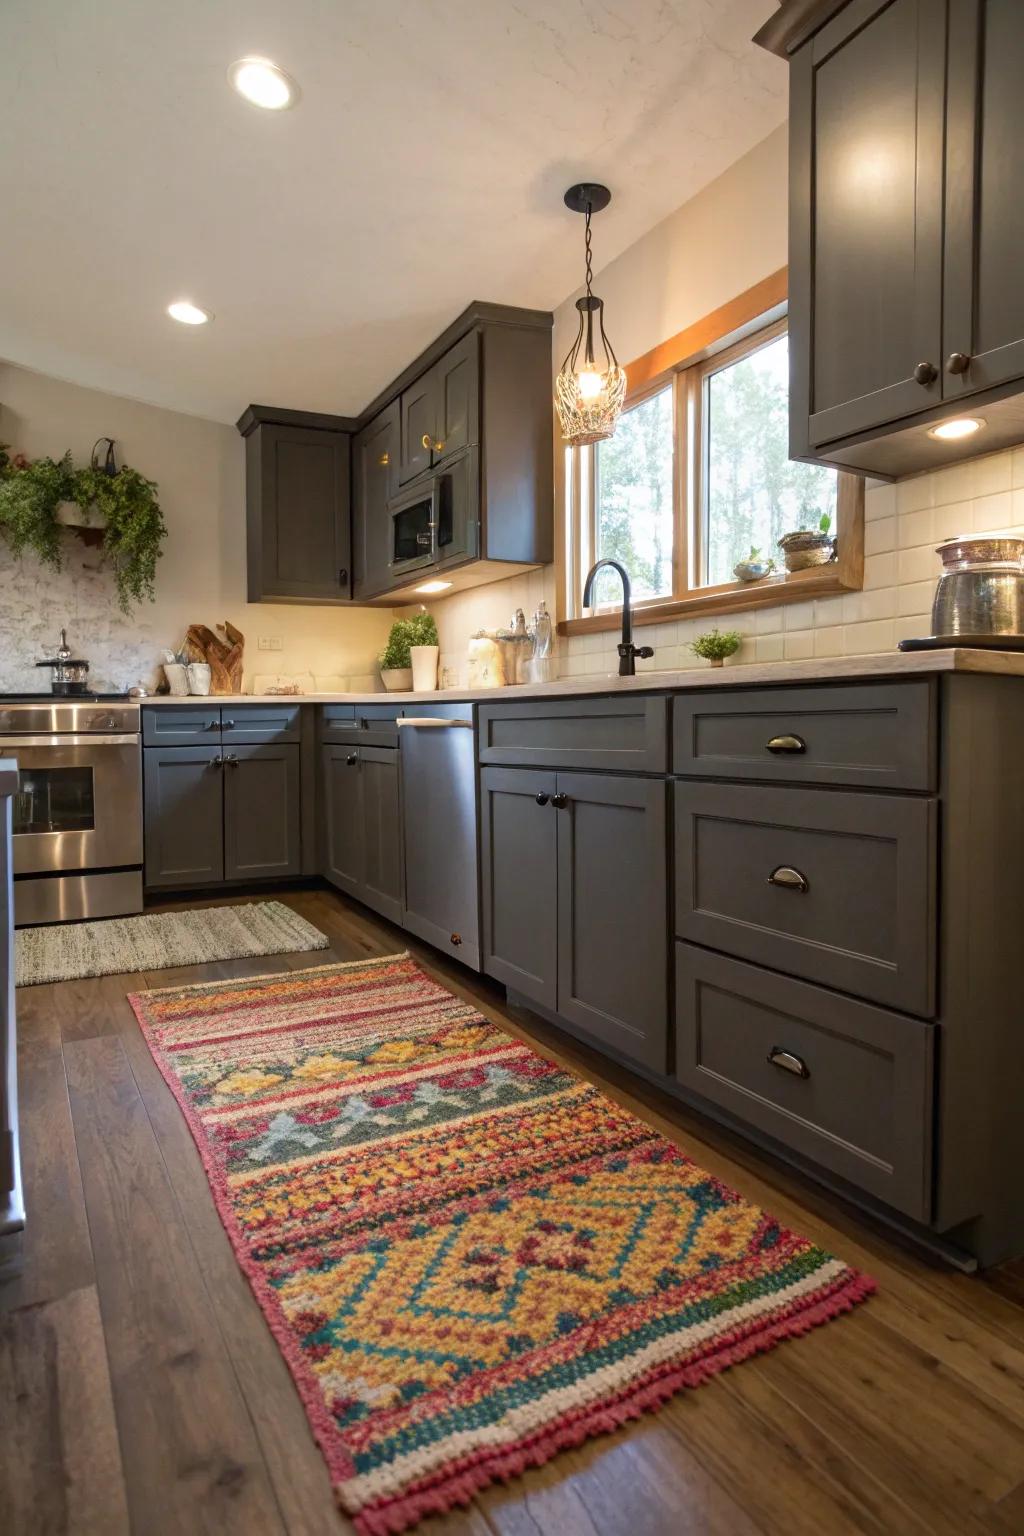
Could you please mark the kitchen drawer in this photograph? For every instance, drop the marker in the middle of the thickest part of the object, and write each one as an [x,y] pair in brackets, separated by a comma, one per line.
[184,726]
[254,724]
[629,733]
[833,886]
[842,1083]
[370,725]
[878,735]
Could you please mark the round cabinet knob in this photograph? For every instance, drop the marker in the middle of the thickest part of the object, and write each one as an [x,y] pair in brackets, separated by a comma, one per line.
[958,362]
[926,373]
[352,759]
[559,802]
[542,798]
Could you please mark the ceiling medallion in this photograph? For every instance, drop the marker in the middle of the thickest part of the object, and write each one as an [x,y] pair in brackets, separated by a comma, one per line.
[590,389]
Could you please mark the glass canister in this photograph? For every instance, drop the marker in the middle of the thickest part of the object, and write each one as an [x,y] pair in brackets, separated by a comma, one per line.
[981,589]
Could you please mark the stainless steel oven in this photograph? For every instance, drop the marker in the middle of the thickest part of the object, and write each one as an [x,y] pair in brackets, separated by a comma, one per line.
[77,813]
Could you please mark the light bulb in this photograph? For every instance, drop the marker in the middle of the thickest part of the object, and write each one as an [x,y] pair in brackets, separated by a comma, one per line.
[264,84]
[961,426]
[590,383]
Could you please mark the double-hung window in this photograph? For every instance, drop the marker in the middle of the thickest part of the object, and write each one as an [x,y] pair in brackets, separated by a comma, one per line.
[697,479]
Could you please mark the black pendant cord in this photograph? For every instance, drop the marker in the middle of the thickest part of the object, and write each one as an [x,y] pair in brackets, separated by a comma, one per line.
[586,247]
[588,354]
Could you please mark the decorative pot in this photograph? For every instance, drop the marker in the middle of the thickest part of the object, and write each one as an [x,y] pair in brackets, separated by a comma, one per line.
[396,679]
[70,515]
[752,570]
[200,676]
[805,548]
[177,678]
[424,667]
[981,589]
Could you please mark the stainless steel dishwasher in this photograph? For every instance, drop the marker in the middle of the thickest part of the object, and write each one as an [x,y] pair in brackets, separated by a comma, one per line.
[440,828]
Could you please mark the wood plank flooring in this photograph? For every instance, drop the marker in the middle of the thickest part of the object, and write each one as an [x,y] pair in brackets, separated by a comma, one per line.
[142,1392]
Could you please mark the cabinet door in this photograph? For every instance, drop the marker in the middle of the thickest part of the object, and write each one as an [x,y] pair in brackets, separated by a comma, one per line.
[341,788]
[375,479]
[262,838]
[184,816]
[419,422]
[866,177]
[458,398]
[984,295]
[518,828]
[458,508]
[382,831]
[297,500]
[613,912]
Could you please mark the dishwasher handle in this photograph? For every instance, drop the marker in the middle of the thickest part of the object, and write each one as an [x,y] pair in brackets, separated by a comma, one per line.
[416,721]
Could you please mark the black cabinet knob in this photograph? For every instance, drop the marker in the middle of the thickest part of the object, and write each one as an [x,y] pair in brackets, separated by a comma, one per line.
[352,759]
[542,798]
[958,362]
[926,373]
[559,802]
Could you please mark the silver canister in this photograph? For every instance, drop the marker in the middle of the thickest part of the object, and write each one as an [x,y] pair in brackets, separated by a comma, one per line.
[981,589]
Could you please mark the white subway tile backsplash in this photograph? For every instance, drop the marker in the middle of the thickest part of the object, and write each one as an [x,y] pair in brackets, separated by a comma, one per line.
[879,571]
[879,603]
[918,565]
[947,522]
[993,473]
[880,501]
[993,512]
[915,494]
[828,642]
[769,648]
[799,645]
[915,529]
[915,598]
[880,535]
[798,616]
[866,639]
[912,628]
[768,621]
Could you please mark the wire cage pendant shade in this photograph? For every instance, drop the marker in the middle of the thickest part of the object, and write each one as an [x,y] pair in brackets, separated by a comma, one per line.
[590,388]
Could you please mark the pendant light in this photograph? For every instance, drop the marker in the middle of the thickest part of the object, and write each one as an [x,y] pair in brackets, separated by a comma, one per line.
[590,387]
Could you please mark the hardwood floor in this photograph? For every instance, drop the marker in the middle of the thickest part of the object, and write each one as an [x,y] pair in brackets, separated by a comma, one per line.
[149,1397]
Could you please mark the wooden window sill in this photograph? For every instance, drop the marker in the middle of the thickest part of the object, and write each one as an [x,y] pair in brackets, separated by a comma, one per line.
[830,580]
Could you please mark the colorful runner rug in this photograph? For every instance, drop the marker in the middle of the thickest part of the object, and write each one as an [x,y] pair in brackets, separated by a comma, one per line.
[469,1257]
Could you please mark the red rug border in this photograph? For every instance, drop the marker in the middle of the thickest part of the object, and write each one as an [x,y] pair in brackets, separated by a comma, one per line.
[455,1486]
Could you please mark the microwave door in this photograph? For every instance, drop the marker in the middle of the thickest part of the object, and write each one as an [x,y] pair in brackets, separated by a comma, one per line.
[414,531]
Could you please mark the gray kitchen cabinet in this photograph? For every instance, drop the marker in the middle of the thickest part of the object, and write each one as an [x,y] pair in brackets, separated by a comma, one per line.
[361,825]
[374,482]
[575,915]
[519,866]
[184,816]
[262,837]
[612,909]
[906,232]
[440,412]
[297,507]
[187,725]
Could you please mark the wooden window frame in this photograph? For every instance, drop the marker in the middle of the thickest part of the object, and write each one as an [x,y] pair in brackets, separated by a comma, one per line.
[683,364]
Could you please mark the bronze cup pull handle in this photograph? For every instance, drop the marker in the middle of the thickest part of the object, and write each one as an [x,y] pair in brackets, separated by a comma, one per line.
[425,440]
[788,743]
[789,879]
[788,1061]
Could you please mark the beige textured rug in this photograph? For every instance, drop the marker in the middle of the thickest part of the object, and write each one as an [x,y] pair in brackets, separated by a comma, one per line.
[120,945]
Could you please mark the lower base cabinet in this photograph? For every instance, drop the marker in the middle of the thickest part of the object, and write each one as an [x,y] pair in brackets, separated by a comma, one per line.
[362,825]
[574,880]
[213,816]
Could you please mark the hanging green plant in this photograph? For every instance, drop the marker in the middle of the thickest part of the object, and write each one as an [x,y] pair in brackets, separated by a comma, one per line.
[30,493]
[124,502]
[134,527]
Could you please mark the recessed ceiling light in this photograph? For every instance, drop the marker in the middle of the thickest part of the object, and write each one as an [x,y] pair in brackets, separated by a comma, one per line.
[188,313]
[433,586]
[264,84]
[960,426]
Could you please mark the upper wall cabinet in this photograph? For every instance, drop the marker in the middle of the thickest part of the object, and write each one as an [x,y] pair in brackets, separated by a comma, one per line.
[451,471]
[297,506]
[906,236]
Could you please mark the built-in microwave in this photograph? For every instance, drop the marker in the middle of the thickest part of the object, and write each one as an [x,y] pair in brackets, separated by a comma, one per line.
[434,519]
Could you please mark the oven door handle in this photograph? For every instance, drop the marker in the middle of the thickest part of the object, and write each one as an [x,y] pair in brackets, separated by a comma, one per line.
[9,745]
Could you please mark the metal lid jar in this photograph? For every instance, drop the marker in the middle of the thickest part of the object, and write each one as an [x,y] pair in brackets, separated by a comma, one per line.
[981,589]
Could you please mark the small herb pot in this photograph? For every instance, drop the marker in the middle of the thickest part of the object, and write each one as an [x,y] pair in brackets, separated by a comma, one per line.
[396,679]
[806,548]
[752,570]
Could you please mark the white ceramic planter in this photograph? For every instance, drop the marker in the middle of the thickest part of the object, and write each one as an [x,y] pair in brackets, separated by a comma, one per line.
[396,679]
[424,667]
[70,515]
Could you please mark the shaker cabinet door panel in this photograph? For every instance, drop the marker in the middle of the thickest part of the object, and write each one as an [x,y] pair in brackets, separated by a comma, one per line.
[984,296]
[262,838]
[613,913]
[458,398]
[184,816]
[375,479]
[519,869]
[382,834]
[419,416]
[342,819]
[298,514]
[867,110]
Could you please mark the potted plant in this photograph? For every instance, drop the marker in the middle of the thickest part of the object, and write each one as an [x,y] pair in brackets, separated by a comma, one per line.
[424,649]
[754,568]
[120,508]
[715,647]
[808,546]
[394,661]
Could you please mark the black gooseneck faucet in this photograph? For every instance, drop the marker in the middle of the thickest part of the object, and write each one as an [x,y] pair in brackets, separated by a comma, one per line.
[628,652]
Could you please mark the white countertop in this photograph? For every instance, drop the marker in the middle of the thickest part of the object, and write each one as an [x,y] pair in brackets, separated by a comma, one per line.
[823,670]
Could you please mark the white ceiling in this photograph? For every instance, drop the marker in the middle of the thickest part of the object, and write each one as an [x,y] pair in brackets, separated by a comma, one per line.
[424,167]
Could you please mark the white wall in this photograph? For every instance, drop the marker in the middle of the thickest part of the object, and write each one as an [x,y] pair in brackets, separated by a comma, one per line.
[722,242]
[199,467]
